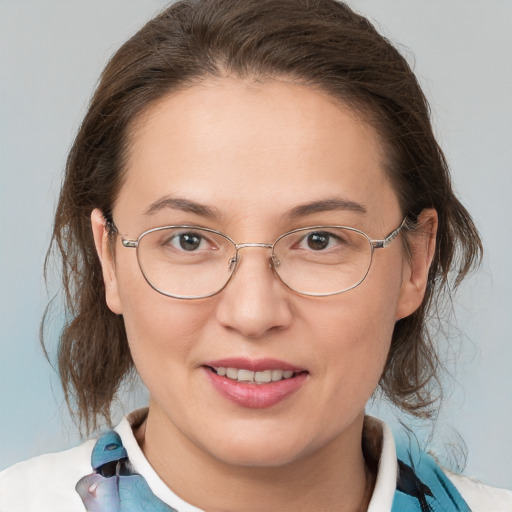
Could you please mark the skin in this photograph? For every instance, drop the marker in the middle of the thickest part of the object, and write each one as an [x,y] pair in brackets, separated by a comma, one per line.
[252,152]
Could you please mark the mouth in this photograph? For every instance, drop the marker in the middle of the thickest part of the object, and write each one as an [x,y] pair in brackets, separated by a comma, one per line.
[255,384]
[253,377]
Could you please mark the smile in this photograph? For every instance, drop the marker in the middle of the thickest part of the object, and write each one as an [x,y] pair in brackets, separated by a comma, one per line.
[255,384]
[251,377]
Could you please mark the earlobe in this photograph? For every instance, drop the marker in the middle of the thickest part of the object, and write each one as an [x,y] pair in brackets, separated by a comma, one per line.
[422,242]
[101,242]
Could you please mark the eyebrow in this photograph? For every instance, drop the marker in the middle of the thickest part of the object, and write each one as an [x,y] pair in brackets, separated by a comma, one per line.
[185,205]
[326,205]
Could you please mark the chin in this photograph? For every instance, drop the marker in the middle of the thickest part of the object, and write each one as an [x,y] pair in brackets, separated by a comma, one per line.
[261,449]
[258,457]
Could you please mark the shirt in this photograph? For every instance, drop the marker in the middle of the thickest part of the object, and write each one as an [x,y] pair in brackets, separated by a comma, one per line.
[111,474]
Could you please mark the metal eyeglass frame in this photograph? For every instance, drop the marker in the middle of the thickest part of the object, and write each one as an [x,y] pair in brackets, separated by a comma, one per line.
[374,244]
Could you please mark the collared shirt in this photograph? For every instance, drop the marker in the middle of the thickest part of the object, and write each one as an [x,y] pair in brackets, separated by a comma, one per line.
[63,482]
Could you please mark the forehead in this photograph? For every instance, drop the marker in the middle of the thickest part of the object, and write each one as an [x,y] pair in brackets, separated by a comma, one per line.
[244,147]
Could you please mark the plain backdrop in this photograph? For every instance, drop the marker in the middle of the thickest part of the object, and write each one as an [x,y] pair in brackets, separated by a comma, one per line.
[51,53]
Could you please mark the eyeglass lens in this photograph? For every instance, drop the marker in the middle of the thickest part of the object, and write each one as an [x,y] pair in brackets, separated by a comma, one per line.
[189,262]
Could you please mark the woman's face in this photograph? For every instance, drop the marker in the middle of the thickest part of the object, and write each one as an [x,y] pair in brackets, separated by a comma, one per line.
[242,158]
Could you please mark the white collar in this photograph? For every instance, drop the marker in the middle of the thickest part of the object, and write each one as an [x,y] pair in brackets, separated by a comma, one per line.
[387,474]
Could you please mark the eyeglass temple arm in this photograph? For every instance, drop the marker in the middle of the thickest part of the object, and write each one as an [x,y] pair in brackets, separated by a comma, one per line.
[109,224]
[380,244]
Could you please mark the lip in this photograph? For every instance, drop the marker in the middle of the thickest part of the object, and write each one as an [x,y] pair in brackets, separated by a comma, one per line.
[255,396]
[255,365]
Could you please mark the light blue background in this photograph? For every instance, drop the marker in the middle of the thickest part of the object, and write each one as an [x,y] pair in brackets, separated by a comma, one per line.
[51,53]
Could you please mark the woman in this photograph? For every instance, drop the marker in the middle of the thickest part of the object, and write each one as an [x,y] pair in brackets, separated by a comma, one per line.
[257,218]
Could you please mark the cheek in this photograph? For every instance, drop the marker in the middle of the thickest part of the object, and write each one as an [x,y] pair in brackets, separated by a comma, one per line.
[359,326]
[161,330]
[357,339]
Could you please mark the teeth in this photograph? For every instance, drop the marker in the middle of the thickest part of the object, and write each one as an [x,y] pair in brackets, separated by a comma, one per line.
[277,375]
[263,377]
[232,373]
[245,376]
[251,377]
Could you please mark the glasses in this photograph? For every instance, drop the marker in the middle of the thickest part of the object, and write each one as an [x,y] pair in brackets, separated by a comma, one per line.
[190,262]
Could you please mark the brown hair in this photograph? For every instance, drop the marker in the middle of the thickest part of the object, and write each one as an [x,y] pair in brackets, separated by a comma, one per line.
[321,43]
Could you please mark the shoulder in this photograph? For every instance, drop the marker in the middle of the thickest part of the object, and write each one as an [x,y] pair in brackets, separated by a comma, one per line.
[481,497]
[409,478]
[46,483]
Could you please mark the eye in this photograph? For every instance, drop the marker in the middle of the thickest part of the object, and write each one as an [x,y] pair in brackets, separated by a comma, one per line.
[183,244]
[190,241]
[186,241]
[320,240]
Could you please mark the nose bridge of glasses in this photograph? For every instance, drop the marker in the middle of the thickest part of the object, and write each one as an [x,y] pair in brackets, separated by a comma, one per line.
[236,259]
[262,245]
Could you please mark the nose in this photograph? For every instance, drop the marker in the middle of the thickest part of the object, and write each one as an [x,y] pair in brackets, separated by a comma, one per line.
[255,301]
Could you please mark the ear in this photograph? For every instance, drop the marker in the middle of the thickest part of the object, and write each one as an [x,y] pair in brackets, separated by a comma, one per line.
[422,243]
[102,243]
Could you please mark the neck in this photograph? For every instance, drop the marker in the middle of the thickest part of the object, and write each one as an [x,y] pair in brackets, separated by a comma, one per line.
[334,477]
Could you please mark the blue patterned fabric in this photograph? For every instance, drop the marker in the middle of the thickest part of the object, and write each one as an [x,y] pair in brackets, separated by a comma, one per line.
[422,485]
[114,486]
